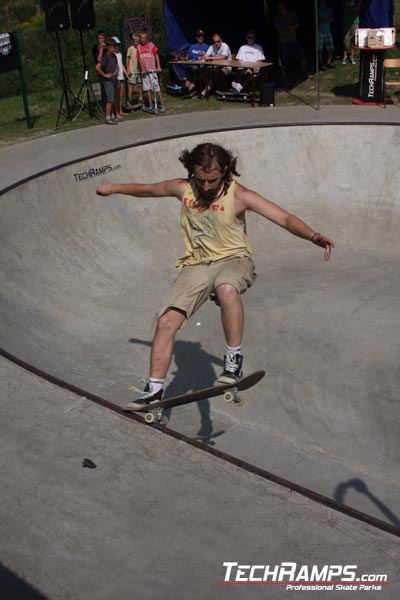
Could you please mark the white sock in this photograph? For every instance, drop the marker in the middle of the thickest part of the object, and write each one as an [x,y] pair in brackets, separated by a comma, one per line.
[156,384]
[234,349]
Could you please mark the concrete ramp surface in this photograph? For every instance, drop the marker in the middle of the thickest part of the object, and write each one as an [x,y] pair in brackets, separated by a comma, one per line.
[83,277]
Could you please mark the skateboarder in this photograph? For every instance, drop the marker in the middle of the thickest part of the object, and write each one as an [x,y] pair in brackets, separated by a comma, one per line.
[218,262]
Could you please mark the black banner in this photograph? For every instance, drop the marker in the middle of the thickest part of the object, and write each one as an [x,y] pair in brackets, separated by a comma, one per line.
[8,53]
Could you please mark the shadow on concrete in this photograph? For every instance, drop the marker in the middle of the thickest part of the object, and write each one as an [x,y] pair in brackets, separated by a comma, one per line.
[359,486]
[349,90]
[194,370]
[14,588]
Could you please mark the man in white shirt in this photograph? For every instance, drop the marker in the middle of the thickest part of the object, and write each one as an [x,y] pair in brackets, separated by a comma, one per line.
[249,52]
[218,51]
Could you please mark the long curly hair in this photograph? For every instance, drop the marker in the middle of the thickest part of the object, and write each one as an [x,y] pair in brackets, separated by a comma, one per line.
[204,155]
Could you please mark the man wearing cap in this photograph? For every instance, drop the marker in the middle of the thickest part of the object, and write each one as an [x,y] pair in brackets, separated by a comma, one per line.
[107,69]
[196,51]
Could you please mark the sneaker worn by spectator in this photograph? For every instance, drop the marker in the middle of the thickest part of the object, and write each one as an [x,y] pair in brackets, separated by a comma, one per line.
[353,60]
[149,396]
[232,368]
[111,121]
[237,87]
[163,108]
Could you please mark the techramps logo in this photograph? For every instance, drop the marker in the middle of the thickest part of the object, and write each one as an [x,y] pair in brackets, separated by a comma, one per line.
[95,172]
[300,578]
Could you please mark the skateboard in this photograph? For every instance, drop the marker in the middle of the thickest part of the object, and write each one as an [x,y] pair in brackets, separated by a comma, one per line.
[154,412]
[229,95]
[132,107]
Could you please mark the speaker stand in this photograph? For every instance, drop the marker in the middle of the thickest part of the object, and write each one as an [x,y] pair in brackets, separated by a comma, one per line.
[65,90]
[89,103]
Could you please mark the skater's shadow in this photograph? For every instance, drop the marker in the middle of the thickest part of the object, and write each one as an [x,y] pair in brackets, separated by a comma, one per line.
[194,370]
[359,486]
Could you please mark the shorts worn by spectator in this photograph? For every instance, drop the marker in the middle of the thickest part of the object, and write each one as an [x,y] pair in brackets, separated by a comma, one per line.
[218,260]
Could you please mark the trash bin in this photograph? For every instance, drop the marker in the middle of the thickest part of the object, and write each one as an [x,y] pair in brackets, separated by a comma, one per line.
[267,93]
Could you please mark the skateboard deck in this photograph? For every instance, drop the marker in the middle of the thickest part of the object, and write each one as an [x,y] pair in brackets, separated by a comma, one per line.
[229,95]
[154,411]
[132,107]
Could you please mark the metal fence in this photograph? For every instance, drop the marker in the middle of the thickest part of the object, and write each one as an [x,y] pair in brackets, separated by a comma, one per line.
[42,58]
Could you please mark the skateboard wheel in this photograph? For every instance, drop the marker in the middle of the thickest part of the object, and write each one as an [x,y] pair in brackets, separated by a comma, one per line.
[238,401]
[164,420]
[229,397]
[149,418]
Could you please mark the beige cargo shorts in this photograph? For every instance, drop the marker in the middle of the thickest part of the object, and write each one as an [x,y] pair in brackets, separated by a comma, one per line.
[196,284]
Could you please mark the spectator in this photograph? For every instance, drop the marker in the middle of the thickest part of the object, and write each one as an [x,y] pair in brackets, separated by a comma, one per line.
[351,20]
[97,52]
[196,51]
[107,69]
[325,40]
[132,66]
[286,24]
[218,51]
[249,52]
[122,73]
[149,62]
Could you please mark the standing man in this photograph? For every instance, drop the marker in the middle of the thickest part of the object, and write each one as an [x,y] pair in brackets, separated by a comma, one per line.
[97,53]
[218,262]
[107,70]
[351,21]
[286,24]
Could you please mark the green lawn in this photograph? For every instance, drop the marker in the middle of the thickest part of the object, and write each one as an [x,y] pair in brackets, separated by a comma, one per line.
[336,86]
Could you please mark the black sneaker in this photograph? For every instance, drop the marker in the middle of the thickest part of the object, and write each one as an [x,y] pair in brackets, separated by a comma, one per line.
[148,398]
[232,368]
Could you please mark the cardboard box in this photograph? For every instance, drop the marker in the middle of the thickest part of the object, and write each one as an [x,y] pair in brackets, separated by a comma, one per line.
[389,37]
[376,38]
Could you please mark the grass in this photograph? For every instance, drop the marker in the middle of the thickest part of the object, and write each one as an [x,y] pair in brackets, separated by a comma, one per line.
[337,87]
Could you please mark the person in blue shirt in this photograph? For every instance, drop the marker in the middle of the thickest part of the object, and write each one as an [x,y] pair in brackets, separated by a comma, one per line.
[196,51]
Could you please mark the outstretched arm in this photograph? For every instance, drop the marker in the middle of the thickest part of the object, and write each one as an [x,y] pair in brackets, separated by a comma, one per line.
[160,189]
[249,200]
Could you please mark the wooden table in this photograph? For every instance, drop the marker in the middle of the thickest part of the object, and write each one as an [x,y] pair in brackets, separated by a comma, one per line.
[241,64]
[235,64]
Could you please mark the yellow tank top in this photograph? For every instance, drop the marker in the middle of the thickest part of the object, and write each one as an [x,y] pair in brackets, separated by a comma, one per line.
[211,233]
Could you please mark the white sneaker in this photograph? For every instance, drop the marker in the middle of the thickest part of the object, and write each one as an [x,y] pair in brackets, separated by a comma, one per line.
[353,60]
[237,87]
[344,61]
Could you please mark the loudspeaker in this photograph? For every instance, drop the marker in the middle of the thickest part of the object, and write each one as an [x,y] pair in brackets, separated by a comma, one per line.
[82,14]
[57,17]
